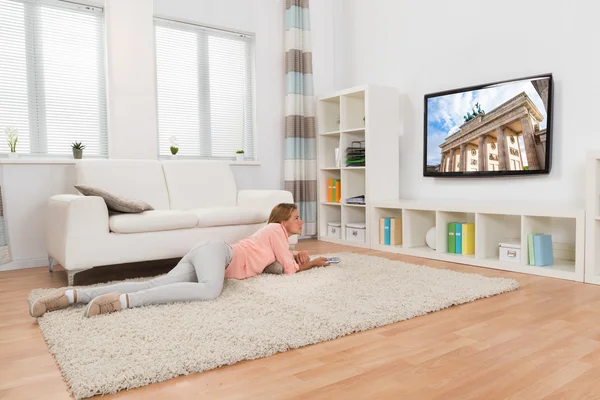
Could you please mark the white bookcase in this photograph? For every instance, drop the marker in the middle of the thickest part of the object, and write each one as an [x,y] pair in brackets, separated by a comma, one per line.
[369,115]
[592,226]
[494,224]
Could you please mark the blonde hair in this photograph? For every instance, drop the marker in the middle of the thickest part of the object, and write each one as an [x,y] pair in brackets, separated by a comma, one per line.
[281,212]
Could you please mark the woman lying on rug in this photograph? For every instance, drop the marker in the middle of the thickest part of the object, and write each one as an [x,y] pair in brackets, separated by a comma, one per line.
[200,273]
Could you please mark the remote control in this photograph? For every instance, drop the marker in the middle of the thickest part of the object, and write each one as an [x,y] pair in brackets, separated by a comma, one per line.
[333,260]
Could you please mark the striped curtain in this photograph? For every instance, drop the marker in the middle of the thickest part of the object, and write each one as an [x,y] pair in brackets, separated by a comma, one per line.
[300,168]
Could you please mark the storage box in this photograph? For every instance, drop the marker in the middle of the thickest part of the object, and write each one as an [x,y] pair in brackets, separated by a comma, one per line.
[334,229]
[510,251]
[356,232]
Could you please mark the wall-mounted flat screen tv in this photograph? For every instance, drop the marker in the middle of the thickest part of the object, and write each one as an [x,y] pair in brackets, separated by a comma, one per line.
[495,129]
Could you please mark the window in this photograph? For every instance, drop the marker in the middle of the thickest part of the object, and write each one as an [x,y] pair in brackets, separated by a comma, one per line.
[52,77]
[205,90]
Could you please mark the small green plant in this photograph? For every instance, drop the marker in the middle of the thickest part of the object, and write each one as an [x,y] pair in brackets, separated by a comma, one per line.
[12,137]
[174,147]
[78,146]
[239,152]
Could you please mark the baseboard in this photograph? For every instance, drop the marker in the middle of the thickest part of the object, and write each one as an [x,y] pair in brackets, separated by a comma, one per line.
[24,264]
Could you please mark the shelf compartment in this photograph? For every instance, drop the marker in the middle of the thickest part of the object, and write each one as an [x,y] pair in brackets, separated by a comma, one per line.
[354,215]
[327,146]
[329,212]
[377,214]
[329,112]
[353,183]
[325,176]
[353,111]
[443,218]
[493,229]
[347,140]
[564,234]
[415,224]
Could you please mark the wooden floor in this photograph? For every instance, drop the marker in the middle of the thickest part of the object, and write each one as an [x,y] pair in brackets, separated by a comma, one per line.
[539,342]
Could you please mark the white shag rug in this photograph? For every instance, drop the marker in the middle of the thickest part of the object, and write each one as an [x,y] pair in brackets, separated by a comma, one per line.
[252,318]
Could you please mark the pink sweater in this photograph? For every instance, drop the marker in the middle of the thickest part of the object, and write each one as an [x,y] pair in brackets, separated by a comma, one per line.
[254,253]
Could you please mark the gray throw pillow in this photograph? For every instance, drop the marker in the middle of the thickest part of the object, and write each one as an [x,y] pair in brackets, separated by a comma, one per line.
[274,268]
[115,203]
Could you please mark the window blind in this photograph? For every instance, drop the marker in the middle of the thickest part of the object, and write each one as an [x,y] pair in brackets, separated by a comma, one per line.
[205,90]
[52,84]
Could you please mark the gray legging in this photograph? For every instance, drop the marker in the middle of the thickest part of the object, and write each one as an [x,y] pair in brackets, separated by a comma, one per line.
[198,276]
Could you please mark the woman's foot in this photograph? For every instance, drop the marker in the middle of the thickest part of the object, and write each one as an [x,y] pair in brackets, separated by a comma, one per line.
[51,302]
[104,304]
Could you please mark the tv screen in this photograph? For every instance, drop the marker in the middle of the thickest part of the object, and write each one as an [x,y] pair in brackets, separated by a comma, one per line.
[501,128]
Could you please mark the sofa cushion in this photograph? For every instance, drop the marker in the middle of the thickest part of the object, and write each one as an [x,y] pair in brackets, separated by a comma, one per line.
[133,179]
[223,216]
[199,183]
[115,203]
[152,221]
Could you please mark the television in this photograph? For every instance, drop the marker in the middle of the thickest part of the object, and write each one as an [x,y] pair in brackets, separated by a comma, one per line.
[494,129]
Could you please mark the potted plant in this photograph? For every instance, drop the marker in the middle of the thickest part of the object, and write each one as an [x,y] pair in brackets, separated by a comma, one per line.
[239,155]
[78,150]
[174,147]
[12,137]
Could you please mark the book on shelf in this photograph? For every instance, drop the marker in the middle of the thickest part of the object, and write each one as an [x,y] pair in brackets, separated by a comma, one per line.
[390,231]
[461,238]
[452,237]
[458,238]
[468,238]
[530,252]
[334,190]
[542,249]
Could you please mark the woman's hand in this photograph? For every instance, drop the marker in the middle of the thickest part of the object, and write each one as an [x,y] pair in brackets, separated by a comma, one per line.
[320,262]
[302,257]
[317,262]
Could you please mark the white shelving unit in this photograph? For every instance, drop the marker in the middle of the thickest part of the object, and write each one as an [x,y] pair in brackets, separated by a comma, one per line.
[592,226]
[340,122]
[494,224]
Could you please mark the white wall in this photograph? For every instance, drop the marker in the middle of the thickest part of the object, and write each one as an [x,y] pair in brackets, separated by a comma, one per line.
[25,192]
[132,107]
[422,47]
[131,74]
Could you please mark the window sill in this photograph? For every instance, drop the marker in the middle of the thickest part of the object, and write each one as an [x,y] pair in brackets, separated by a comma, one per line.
[26,160]
[71,161]
[244,163]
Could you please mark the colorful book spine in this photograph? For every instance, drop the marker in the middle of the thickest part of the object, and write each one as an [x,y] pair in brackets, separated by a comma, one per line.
[452,237]
[458,236]
[382,231]
[338,190]
[387,232]
[468,238]
[333,190]
[542,247]
[530,250]
[329,190]
[395,231]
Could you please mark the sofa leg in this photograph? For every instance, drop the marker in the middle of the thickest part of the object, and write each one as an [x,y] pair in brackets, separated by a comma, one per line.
[50,263]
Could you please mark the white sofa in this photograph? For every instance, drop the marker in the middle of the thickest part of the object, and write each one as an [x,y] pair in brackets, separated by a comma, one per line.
[192,201]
